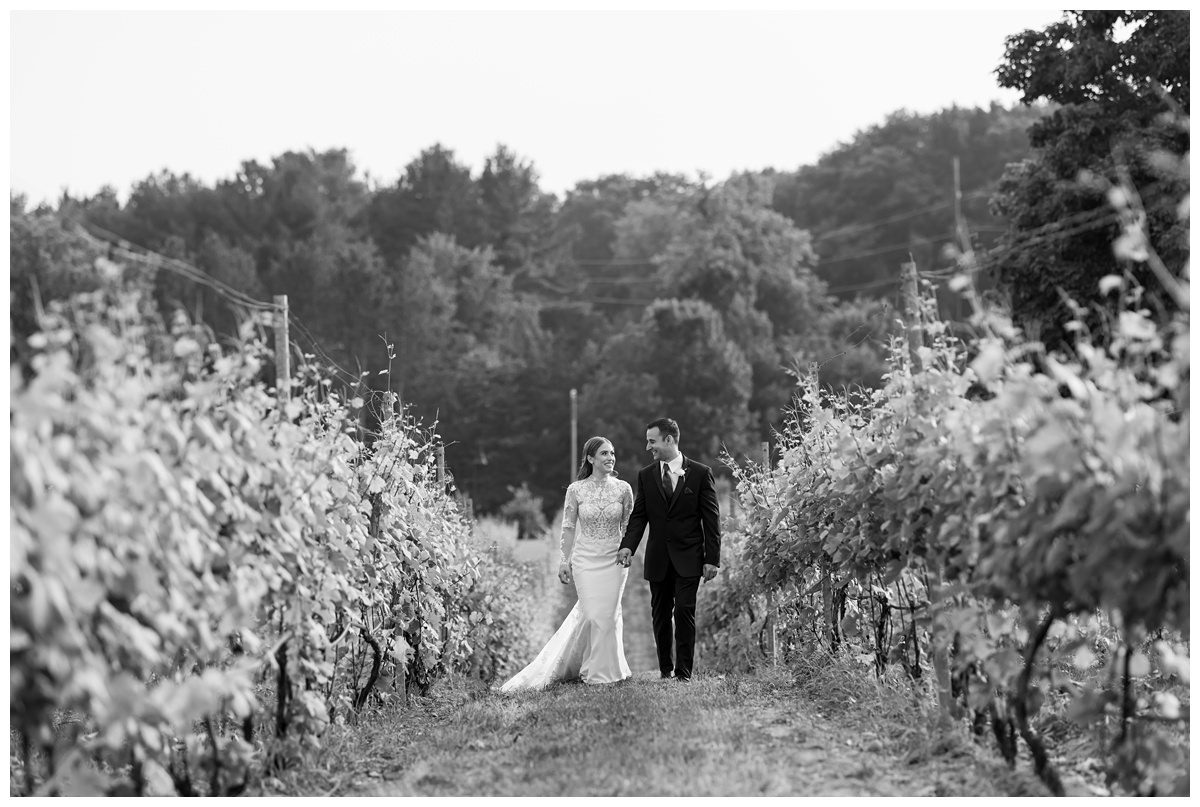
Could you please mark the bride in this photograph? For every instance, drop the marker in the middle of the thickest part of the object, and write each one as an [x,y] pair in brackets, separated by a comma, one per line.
[588,644]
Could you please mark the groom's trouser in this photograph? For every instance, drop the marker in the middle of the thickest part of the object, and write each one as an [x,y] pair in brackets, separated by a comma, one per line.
[674,594]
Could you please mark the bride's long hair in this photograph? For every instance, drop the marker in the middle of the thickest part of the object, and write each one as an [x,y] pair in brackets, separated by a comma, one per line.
[589,450]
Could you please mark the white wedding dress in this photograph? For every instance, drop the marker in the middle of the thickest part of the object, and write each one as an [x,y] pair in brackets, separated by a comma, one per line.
[588,644]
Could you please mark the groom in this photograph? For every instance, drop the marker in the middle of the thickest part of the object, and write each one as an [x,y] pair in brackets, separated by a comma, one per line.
[678,499]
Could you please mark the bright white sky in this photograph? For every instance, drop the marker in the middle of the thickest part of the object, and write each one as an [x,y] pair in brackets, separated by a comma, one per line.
[110,97]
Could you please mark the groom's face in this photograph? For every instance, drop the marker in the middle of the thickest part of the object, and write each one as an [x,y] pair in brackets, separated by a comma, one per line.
[661,448]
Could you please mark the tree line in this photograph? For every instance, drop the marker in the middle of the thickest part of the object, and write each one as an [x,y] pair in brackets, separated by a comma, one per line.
[482,299]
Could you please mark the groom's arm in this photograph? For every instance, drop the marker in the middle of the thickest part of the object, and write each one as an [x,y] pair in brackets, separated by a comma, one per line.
[637,519]
[710,520]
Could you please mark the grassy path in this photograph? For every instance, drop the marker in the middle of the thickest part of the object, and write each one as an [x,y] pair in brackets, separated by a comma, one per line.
[813,730]
[716,736]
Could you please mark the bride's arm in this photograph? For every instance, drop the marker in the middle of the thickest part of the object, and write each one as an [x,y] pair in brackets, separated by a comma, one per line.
[566,542]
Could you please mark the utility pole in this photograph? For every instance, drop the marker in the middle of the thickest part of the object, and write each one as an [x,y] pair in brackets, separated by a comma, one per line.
[960,221]
[959,228]
[574,433]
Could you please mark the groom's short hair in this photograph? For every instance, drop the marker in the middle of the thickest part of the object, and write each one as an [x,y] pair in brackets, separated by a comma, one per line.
[665,426]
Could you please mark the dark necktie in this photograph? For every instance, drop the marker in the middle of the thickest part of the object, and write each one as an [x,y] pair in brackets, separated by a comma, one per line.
[667,479]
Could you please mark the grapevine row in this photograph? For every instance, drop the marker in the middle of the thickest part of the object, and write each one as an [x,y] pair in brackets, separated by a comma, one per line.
[201,584]
[1015,521]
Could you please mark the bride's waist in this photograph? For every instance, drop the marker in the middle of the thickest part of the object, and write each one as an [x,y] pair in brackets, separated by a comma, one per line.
[605,546]
[605,537]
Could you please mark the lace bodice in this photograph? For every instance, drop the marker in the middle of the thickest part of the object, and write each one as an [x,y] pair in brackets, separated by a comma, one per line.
[596,513]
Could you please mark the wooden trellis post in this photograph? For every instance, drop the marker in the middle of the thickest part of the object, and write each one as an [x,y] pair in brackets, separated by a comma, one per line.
[400,669]
[772,610]
[283,354]
[825,569]
[939,658]
[911,298]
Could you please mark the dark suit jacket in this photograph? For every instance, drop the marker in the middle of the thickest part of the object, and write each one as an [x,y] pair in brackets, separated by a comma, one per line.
[685,530]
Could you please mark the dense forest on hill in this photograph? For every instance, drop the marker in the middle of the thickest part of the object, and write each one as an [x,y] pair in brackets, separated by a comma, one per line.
[486,299]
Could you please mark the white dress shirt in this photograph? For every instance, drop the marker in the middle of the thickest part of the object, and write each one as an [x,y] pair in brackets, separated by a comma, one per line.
[676,467]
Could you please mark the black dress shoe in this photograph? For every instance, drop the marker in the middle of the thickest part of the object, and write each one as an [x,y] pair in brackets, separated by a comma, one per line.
[683,679]
[667,675]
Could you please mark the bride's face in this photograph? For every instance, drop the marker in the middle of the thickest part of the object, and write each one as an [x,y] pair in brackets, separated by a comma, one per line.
[605,459]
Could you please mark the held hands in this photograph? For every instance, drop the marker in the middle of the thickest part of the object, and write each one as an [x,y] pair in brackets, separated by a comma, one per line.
[709,572]
[623,557]
[564,573]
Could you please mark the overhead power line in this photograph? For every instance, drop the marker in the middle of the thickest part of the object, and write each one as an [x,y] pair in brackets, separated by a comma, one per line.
[119,247]
[905,245]
[345,376]
[869,225]
[869,284]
